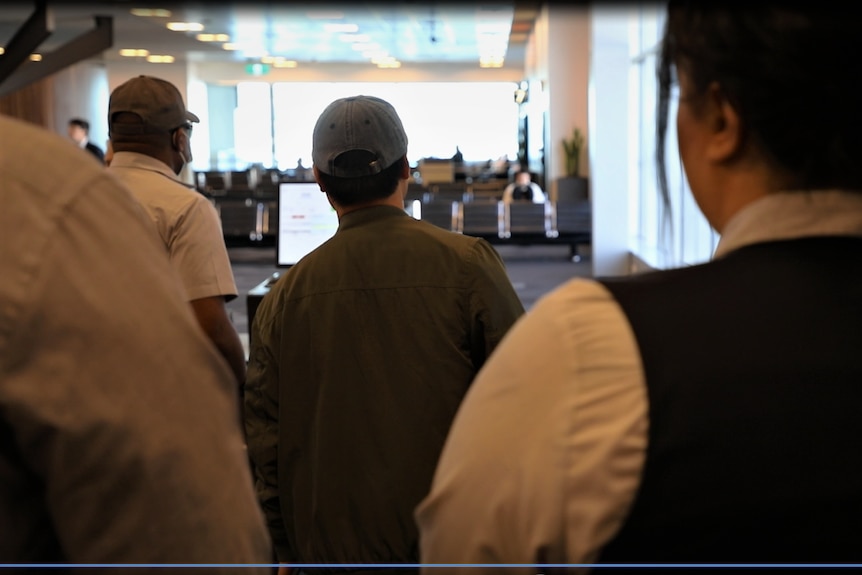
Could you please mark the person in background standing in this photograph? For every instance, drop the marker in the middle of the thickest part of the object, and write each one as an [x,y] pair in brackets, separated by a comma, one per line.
[362,352]
[79,131]
[151,138]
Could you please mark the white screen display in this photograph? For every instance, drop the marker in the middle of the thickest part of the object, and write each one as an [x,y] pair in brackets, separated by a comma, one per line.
[305,220]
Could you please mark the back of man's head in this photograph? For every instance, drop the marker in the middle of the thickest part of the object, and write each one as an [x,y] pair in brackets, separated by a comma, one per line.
[157,104]
[80,123]
[359,147]
[143,115]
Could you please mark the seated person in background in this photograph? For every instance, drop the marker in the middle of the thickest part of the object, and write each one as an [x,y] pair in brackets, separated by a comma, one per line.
[120,436]
[523,189]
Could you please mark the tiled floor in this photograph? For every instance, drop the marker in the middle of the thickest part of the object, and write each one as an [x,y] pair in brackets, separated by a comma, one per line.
[534,271]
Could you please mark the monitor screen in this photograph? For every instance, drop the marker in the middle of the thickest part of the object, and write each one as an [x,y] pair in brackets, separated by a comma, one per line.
[305,220]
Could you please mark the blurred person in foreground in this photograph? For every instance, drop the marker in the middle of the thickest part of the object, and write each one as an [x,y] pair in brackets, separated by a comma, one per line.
[362,352]
[150,139]
[120,436]
[707,414]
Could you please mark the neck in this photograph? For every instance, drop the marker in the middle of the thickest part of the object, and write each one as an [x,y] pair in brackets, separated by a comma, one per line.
[736,191]
[396,199]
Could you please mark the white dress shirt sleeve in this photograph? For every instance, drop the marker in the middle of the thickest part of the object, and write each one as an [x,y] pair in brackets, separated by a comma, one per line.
[544,457]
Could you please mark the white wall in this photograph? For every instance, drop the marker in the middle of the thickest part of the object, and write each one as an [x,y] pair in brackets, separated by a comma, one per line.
[609,156]
[82,92]
[568,53]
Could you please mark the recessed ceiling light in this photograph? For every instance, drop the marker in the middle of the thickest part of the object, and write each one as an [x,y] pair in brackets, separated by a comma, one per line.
[160,59]
[134,52]
[185,26]
[383,60]
[286,64]
[213,37]
[491,62]
[36,57]
[230,46]
[151,12]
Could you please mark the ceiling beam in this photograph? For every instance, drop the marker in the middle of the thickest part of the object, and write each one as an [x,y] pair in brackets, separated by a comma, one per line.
[25,41]
[23,72]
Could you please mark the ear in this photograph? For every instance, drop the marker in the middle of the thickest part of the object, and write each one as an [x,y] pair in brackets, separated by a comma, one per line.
[316,173]
[405,168]
[176,136]
[725,130]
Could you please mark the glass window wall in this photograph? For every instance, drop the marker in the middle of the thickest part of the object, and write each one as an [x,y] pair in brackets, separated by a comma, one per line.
[273,123]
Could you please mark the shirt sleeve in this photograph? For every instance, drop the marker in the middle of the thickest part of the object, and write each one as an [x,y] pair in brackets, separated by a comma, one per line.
[123,413]
[539,196]
[199,253]
[494,302]
[543,459]
[507,193]
[261,420]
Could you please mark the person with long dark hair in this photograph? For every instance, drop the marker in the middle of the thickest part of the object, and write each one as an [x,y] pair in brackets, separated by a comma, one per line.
[707,414]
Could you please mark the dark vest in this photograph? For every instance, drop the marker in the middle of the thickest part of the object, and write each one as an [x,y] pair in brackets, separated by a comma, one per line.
[753,365]
[522,193]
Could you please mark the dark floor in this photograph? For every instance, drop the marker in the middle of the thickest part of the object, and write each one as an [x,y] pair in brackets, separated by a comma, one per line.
[534,271]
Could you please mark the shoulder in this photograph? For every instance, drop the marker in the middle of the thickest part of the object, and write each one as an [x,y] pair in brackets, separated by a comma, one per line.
[55,181]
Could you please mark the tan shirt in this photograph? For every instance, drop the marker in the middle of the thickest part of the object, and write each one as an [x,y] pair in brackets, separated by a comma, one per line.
[120,439]
[545,454]
[186,221]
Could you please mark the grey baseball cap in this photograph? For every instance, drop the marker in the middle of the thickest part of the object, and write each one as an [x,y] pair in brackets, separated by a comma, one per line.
[157,102]
[358,123]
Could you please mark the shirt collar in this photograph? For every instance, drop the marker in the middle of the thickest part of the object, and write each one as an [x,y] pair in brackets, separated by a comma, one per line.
[143,162]
[795,214]
[369,214]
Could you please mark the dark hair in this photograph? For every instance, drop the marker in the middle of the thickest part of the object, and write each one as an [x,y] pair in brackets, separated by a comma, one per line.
[80,122]
[353,191]
[789,71]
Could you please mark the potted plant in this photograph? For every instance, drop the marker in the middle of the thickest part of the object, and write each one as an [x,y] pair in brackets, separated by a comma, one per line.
[572,186]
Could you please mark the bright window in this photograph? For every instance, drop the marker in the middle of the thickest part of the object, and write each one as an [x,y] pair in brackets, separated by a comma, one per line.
[273,123]
[661,239]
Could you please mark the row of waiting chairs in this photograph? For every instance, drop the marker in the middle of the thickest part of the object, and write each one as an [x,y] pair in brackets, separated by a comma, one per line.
[499,221]
[519,222]
[247,183]
[247,219]
[458,191]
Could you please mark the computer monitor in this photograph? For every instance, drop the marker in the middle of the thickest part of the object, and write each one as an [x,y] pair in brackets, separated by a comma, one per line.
[305,220]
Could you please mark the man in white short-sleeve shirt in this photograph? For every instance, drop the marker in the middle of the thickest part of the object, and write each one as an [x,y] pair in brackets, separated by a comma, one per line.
[150,137]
